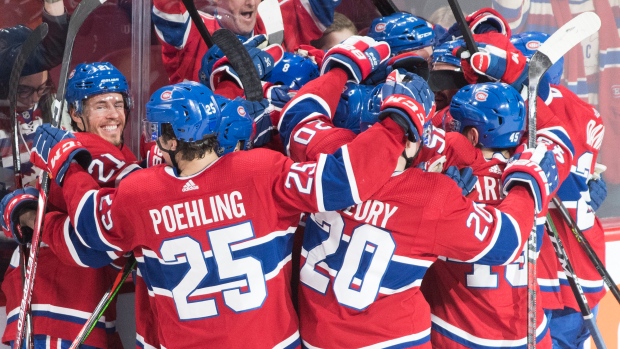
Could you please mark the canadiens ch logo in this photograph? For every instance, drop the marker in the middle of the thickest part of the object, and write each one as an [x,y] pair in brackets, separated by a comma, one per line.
[166,95]
[481,96]
[533,45]
[380,27]
[241,111]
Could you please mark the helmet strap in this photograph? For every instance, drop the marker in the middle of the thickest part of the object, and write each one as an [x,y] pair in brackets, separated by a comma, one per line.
[173,155]
[409,160]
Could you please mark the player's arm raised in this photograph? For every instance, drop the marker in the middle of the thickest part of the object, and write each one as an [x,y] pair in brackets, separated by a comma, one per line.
[496,235]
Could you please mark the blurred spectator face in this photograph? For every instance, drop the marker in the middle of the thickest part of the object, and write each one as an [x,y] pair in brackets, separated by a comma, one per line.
[103,115]
[239,16]
[334,38]
[30,90]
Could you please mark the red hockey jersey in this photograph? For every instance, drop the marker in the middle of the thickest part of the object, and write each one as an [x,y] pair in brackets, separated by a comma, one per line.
[217,245]
[361,268]
[585,127]
[65,293]
[476,305]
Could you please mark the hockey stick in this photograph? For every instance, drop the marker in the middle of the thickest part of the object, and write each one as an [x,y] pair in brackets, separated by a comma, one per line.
[558,44]
[573,281]
[241,61]
[25,51]
[103,304]
[27,48]
[232,48]
[83,10]
[598,264]
[200,25]
[468,37]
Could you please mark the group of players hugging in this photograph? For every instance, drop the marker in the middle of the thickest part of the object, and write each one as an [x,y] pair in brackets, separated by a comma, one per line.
[380,195]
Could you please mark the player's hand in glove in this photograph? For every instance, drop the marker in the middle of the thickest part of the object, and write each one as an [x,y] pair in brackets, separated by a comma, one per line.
[214,54]
[464,178]
[409,103]
[54,149]
[598,192]
[434,164]
[260,112]
[536,169]
[500,61]
[264,60]
[154,156]
[358,56]
[20,203]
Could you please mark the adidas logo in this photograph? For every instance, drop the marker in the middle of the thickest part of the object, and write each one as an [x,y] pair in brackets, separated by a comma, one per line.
[493,169]
[190,185]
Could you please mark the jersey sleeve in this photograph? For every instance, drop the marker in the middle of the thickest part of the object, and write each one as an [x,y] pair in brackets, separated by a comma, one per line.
[182,45]
[348,176]
[307,134]
[98,214]
[495,235]
[305,20]
[60,236]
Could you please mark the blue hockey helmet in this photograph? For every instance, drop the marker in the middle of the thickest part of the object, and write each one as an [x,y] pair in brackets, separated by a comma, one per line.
[189,107]
[443,53]
[236,126]
[495,110]
[402,31]
[528,43]
[89,79]
[358,108]
[293,71]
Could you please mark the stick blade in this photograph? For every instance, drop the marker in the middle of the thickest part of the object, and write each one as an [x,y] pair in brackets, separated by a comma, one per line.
[569,35]
[241,61]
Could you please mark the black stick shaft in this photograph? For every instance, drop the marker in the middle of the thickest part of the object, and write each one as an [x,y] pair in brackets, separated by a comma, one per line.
[200,25]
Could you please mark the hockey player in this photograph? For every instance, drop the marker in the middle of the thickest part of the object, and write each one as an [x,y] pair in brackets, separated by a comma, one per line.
[446,78]
[475,305]
[361,267]
[183,47]
[585,128]
[65,292]
[233,276]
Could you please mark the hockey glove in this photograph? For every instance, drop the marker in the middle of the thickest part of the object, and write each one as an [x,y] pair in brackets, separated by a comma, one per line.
[598,192]
[264,60]
[464,178]
[407,113]
[214,54]
[500,61]
[357,55]
[13,205]
[488,20]
[536,169]
[412,85]
[434,164]
[154,156]
[54,150]
[259,112]
[485,20]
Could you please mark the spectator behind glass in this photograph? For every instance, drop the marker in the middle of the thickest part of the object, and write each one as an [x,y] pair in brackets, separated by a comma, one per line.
[341,29]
